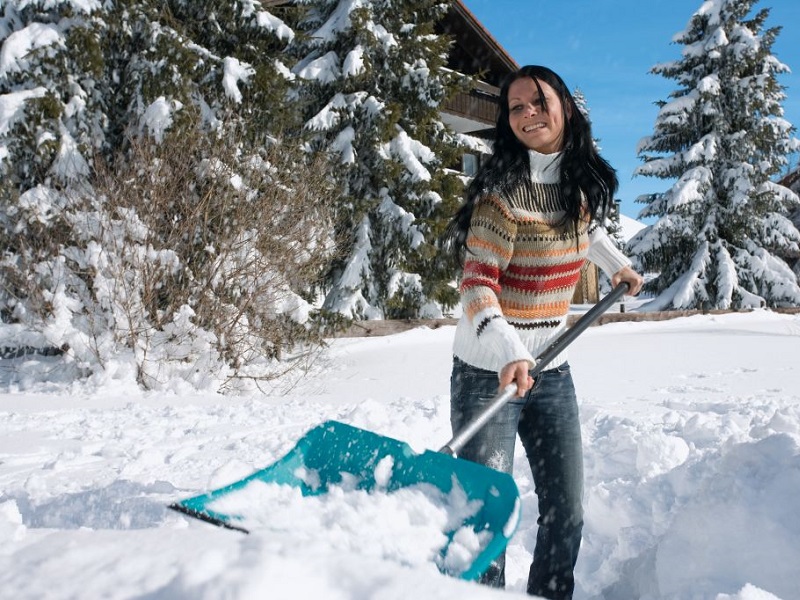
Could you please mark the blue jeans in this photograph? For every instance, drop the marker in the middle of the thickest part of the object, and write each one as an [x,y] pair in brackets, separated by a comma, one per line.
[548,424]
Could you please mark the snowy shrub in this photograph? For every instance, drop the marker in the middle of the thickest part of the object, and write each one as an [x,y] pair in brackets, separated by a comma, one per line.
[186,257]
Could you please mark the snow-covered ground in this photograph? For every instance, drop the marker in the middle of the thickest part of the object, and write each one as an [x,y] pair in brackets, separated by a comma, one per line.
[692,448]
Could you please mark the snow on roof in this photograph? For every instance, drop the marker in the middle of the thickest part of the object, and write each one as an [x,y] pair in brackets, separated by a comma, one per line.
[630,227]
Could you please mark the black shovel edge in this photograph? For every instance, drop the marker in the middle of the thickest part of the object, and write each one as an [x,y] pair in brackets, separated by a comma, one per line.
[545,357]
[178,507]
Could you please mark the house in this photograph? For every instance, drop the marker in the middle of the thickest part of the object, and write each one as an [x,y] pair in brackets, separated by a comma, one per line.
[476,53]
[792,181]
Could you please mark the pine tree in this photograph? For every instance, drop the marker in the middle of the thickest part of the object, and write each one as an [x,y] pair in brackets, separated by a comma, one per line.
[82,77]
[581,102]
[721,137]
[371,82]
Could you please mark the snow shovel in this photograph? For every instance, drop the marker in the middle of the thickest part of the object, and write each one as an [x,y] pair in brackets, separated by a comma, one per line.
[334,452]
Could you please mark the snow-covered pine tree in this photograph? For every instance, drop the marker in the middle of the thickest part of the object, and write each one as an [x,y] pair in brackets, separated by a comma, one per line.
[54,117]
[77,76]
[581,102]
[372,80]
[721,137]
[238,44]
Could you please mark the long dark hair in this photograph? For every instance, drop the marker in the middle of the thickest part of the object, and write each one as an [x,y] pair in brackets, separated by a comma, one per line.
[582,168]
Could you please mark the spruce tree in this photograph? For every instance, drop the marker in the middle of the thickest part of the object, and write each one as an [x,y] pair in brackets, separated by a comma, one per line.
[371,80]
[722,138]
[82,77]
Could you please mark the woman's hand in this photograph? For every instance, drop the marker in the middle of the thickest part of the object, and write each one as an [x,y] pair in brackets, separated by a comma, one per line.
[631,277]
[516,372]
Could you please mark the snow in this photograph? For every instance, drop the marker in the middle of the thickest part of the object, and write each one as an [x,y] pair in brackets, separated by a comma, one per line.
[354,62]
[21,43]
[272,23]
[235,71]
[324,69]
[692,449]
[157,117]
[630,227]
[69,164]
[338,22]
[412,154]
[12,107]
[328,117]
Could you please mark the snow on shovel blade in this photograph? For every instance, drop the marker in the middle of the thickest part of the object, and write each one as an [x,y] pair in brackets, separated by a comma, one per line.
[335,454]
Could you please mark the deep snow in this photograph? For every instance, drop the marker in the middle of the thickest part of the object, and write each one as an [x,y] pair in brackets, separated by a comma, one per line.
[692,449]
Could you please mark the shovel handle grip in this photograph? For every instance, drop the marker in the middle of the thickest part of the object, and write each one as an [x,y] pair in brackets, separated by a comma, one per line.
[554,349]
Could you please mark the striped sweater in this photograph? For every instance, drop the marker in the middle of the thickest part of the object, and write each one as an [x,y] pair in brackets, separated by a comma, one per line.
[521,269]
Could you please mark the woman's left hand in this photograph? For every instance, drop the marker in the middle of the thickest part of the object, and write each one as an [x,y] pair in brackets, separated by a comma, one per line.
[631,277]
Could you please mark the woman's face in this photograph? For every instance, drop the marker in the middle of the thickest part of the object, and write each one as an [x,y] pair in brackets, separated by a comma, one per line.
[538,129]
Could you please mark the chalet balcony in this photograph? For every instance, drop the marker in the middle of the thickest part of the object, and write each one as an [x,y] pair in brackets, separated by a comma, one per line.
[474,112]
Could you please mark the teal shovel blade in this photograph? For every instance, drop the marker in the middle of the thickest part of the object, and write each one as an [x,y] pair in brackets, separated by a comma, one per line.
[333,451]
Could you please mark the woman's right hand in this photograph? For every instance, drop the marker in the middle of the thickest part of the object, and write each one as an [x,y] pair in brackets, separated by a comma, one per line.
[516,372]
[627,274]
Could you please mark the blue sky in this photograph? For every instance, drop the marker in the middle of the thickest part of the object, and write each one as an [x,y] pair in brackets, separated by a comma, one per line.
[606,49]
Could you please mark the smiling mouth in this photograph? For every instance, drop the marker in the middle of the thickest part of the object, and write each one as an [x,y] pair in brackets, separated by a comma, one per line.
[533,127]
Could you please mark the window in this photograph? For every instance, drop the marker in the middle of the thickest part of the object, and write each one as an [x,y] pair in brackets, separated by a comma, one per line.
[469,164]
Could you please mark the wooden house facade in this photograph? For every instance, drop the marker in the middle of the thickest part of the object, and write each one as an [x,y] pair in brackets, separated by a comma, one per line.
[792,181]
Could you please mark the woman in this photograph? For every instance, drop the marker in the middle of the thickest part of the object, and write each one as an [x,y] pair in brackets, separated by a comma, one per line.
[532,216]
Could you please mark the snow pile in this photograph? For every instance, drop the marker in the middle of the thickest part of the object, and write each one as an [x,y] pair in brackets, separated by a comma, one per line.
[692,467]
[415,523]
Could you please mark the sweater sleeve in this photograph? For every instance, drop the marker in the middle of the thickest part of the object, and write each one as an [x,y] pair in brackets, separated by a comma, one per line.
[490,244]
[603,252]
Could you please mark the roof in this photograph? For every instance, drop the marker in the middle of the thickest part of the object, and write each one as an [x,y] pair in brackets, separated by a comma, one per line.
[488,38]
[475,50]
[792,180]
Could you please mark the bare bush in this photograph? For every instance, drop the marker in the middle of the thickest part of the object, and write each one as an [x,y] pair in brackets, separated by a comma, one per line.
[199,260]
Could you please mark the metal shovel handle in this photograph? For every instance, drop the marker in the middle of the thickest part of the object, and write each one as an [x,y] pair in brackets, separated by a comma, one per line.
[554,349]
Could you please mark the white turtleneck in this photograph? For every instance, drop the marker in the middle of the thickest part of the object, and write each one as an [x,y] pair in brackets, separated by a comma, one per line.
[545,168]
